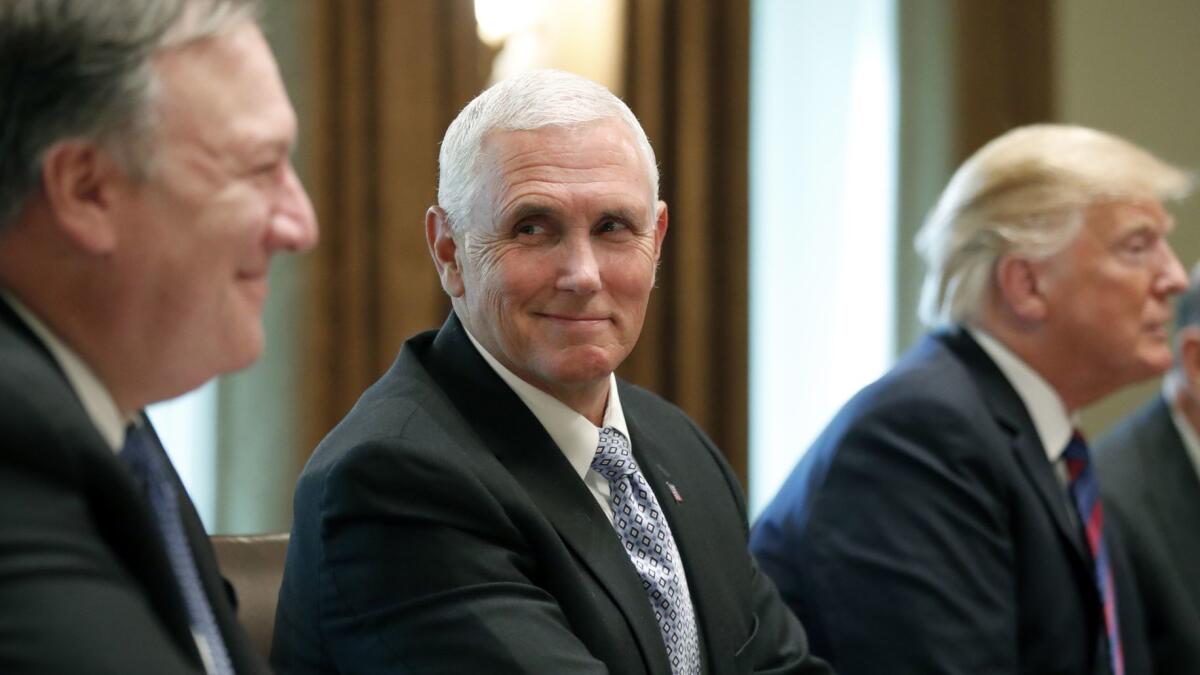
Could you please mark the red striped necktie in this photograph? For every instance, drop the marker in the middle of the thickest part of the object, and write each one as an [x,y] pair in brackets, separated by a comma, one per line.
[1085,492]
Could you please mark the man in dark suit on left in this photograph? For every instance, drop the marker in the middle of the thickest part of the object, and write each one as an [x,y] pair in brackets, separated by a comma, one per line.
[145,183]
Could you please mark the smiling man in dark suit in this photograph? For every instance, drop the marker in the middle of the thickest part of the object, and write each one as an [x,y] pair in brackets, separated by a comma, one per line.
[144,186]
[499,502]
[1149,466]
[946,520]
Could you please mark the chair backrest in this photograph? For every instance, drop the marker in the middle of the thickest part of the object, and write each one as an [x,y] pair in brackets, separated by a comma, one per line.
[254,566]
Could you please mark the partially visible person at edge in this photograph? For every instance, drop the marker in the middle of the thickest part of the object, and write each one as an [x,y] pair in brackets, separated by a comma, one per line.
[947,521]
[1148,467]
[145,185]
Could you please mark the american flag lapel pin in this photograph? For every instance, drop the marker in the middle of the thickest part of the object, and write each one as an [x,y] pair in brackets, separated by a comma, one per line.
[675,492]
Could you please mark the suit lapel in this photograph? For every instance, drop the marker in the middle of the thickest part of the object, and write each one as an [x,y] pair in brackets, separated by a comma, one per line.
[690,527]
[507,428]
[133,531]
[1009,411]
[1173,493]
[121,513]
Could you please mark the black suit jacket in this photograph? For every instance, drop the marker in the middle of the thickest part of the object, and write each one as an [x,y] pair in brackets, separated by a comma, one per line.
[926,532]
[85,584]
[439,529]
[1150,488]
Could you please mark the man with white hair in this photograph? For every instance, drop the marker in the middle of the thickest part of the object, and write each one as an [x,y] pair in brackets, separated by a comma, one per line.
[499,502]
[1149,469]
[946,521]
[145,184]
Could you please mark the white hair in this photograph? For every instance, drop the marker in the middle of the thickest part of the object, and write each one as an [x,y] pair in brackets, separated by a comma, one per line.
[541,98]
[1025,193]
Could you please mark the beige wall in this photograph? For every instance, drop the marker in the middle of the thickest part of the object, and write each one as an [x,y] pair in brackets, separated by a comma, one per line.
[1130,68]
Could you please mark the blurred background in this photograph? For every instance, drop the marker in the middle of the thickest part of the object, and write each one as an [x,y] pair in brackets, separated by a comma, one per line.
[801,143]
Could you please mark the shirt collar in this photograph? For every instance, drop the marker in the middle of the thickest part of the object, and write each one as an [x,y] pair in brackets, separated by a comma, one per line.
[573,433]
[1191,442]
[95,397]
[1054,424]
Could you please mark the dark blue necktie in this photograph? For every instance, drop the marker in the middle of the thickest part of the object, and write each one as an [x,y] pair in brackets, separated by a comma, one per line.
[1085,491]
[148,463]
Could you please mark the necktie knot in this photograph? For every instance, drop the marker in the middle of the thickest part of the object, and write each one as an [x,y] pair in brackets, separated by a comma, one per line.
[1076,456]
[613,458]
[136,454]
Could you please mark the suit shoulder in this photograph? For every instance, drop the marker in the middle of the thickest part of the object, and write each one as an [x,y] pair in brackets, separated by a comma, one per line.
[926,417]
[926,393]
[643,400]
[403,434]
[668,419]
[41,419]
[1124,453]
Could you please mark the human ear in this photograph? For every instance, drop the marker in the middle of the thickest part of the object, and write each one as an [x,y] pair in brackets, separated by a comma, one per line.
[439,235]
[1189,355]
[78,180]
[1017,280]
[660,228]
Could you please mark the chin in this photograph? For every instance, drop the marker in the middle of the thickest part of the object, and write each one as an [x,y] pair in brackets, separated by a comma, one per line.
[584,368]
[243,352]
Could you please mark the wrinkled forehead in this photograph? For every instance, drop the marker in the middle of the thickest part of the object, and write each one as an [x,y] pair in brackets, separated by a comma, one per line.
[603,148]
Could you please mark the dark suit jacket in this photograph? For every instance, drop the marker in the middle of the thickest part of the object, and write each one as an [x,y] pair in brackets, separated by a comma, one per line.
[439,529]
[1150,489]
[85,585]
[926,532]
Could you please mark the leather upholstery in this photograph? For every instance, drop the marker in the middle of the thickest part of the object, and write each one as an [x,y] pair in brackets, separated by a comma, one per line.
[253,565]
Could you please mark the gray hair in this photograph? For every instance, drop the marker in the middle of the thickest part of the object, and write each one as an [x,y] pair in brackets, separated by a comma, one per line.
[1187,315]
[533,100]
[84,69]
[1025,193]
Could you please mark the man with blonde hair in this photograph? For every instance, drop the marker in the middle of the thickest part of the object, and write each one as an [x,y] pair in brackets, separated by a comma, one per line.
[499,502]
[145,184]
[1149,468]
[946,521]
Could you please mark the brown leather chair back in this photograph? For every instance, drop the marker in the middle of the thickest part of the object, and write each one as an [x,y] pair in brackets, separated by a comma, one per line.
[254,566]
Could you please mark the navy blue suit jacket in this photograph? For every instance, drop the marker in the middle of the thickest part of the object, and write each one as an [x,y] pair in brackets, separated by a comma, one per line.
[925,532]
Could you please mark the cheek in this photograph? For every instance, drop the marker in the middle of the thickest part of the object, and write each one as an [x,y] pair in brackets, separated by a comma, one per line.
[630,278]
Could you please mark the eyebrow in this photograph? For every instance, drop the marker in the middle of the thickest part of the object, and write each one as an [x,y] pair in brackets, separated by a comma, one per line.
[529,210]
[535,209]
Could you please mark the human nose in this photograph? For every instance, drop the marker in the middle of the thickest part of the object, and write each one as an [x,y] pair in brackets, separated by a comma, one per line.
[1172,278]
[580,272]
[293,225]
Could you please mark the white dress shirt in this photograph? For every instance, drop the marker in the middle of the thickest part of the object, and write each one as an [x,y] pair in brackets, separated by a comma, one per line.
[95,397]
[1054,424]
[573,433]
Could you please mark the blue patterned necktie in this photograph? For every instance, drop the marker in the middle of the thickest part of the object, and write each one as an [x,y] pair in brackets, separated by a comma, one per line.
[1086,494]
[147,463]
[647,539]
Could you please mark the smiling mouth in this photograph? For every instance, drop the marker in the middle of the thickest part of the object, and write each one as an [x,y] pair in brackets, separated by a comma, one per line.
[252,275]
[574,320]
